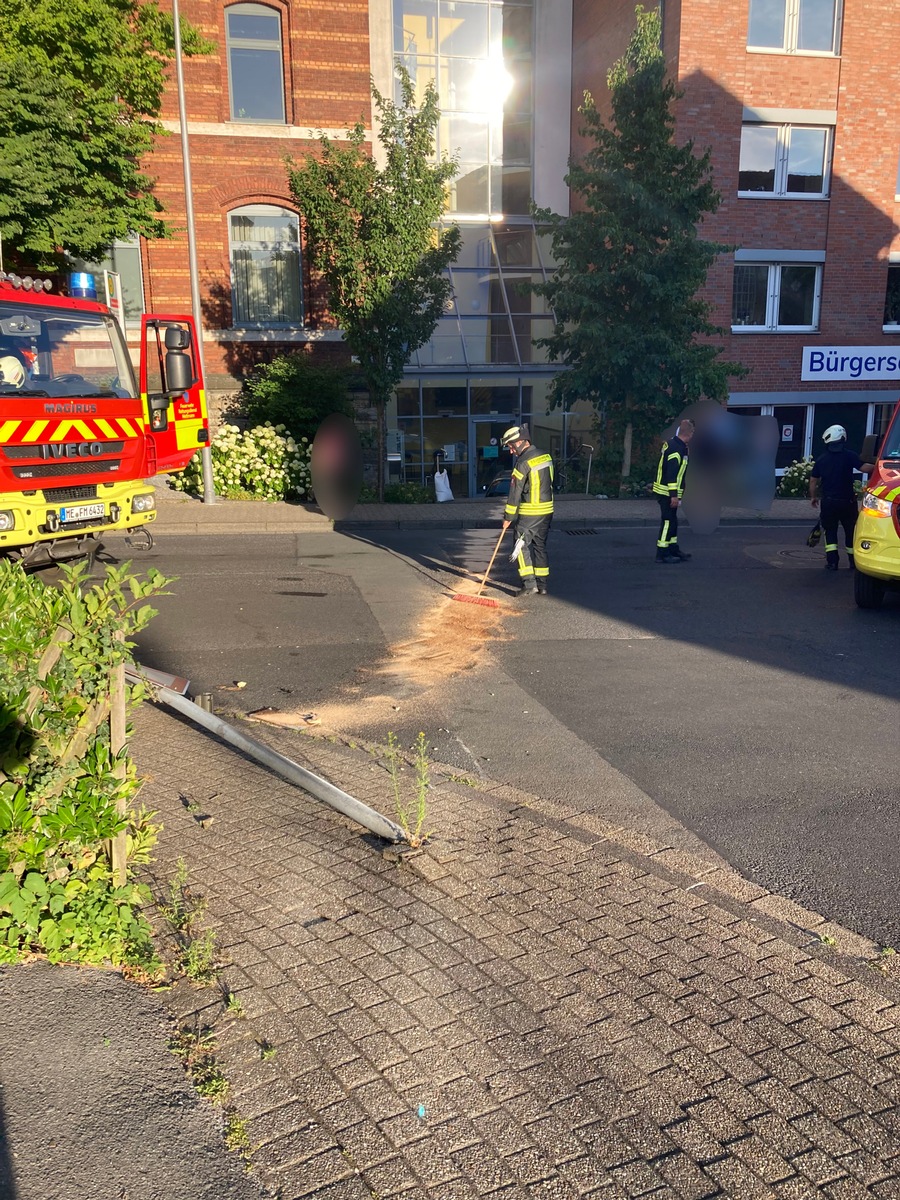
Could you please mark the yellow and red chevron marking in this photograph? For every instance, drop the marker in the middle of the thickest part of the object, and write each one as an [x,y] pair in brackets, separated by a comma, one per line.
[61,429]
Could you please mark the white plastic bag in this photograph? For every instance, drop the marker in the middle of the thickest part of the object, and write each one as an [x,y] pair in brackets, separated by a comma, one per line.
[442,490]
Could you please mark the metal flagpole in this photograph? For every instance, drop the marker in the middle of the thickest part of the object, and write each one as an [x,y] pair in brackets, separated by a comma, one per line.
[209,491]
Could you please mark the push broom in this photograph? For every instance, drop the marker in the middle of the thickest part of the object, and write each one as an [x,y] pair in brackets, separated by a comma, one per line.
[478,598]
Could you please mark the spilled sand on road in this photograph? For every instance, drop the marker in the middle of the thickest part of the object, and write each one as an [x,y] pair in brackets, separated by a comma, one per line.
[451,637]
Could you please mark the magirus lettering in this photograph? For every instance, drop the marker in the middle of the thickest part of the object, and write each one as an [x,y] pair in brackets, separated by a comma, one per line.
[53,409]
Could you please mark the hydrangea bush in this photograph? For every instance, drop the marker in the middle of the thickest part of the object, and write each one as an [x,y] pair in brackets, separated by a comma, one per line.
[795,480]
[262,463]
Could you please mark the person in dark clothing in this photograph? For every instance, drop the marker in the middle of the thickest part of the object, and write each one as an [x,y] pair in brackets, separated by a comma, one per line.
[835,471]
[668,488]
[530,506]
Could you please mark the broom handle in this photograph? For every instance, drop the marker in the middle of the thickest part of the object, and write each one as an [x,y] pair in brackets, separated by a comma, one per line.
[491,563]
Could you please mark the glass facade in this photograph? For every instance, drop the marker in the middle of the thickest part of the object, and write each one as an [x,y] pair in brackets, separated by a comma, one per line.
[479,55]
[481,371]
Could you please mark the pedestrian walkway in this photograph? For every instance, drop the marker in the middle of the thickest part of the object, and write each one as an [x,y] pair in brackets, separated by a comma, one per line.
[537,1006]
[178,514]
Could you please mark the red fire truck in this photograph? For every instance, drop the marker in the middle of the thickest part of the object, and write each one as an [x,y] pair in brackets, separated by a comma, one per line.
[79,434]
[876,542]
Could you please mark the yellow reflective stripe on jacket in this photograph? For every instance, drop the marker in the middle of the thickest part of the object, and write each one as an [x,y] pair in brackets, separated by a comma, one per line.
[531,488]
[537,498]
[670,472]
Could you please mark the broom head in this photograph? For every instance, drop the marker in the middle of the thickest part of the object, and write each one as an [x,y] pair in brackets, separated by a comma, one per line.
[483,600]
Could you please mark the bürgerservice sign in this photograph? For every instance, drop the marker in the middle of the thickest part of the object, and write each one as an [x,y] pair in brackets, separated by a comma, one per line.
[821,363]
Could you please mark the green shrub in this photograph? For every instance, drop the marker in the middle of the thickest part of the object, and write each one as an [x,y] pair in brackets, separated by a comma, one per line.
[291,391]
[795,480]
[263,463]
[64,795]
[408,493]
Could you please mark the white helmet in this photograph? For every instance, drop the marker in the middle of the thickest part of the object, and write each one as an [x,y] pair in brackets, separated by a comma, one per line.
[11,371]
[834,433]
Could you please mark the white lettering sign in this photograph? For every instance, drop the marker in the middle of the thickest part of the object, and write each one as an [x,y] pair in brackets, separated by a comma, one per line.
[822,363]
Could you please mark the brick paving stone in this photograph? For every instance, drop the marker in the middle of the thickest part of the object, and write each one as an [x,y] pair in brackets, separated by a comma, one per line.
[390,1179]
[547,997]
[797,1188]
[889,1189]
[737,1180]
[864,1167]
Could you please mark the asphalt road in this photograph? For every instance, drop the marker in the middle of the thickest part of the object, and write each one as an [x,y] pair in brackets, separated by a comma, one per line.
[743,693]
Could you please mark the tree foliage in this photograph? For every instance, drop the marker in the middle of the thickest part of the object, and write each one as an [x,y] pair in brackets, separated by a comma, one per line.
[371,231]
[81,85]
[631,327]
[293,391]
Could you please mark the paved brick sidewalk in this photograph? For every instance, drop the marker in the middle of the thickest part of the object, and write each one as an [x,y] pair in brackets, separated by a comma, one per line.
[531,1009]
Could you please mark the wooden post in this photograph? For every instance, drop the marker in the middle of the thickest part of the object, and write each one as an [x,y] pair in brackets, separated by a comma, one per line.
[116,745]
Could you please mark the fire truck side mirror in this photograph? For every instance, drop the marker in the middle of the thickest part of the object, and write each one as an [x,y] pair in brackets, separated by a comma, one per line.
[179,371]
[869,448]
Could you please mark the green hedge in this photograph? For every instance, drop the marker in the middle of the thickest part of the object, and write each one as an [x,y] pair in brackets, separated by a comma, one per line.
[61,787]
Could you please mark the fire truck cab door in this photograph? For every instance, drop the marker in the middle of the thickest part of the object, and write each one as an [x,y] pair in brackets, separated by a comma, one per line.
[183,428]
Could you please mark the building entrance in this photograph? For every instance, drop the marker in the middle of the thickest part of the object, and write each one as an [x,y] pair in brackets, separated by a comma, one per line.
[487,458]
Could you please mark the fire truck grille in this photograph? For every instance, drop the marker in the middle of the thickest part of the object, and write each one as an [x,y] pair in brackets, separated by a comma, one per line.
[64,495]
[34,451]
[50,470]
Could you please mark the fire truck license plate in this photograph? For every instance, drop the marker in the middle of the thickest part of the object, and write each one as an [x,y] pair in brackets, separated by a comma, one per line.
[82,512]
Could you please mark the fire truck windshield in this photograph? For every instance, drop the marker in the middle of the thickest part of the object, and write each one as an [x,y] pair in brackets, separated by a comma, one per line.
[52,352]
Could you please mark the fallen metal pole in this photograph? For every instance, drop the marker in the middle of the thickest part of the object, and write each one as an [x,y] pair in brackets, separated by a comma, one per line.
[285,767]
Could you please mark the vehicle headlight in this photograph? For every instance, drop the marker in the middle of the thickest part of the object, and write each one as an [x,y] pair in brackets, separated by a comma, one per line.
[7,521]
[876,506]
[143,503]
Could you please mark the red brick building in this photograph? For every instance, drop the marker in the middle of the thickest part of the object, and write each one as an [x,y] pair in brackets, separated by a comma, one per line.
[795,100]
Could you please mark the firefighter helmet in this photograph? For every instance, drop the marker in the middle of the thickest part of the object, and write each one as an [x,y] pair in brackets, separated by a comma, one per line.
[834,433]
[11,371]
[512,435]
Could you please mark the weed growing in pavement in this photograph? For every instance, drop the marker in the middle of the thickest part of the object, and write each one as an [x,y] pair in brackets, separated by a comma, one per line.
[883,962]
[423,779]
[237,1135]
[465,780]
[177,910]
[198,958]
[412,824]
[183,910]
[266,1050]
[233,1005]
[197,1050]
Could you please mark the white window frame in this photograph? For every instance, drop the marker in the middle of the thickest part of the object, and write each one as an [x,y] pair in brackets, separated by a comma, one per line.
[893,265]
[263,210]
[782,155]
[775,261]
[232,43]
[792,33]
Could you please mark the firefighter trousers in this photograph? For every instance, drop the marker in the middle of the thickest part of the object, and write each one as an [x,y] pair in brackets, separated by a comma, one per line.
[834,513]
[668,526]
[532,562]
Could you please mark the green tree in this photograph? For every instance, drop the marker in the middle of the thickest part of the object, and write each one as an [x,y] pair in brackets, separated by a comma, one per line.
[295,392]
[630,325]
[371,231]
[81,83]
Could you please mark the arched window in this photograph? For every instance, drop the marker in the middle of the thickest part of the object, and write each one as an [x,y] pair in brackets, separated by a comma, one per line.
[255,66]
[265,266]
